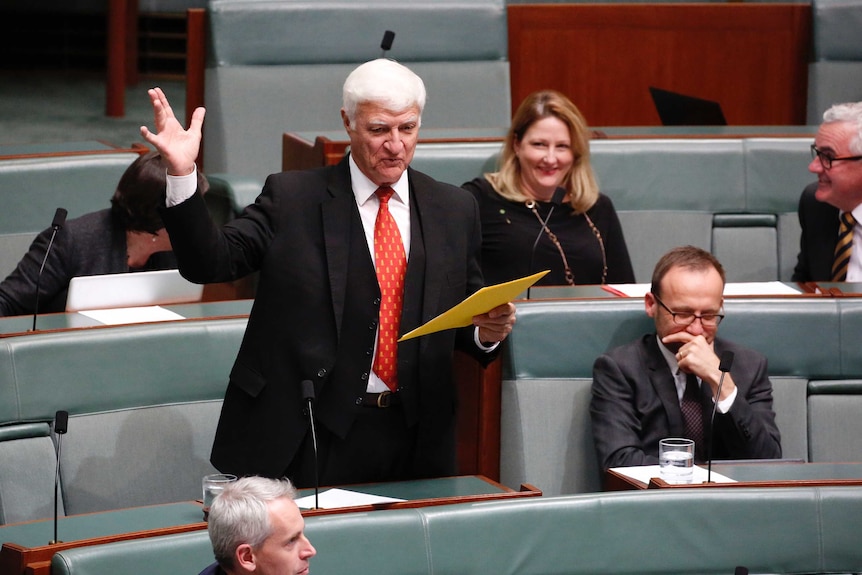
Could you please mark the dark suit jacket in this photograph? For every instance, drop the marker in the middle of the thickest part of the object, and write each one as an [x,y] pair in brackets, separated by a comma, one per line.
[298,235]
[819,222]
[635,404]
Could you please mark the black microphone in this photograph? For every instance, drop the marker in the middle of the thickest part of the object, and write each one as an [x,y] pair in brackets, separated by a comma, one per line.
[724,366]
[386,44]
[740,570]
[61,424]
[556,200]
[56,225]
[308,395]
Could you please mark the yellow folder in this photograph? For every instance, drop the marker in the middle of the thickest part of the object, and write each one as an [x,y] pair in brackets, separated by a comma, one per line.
[480,302]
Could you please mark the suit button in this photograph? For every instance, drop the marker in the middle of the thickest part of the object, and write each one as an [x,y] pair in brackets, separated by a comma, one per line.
[372,325]
[369,351]
[321,372]
[358,401]
[364,377]
[377,301]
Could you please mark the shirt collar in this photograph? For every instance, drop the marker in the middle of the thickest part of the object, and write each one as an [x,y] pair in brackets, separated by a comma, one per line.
[669,357]
[363,188]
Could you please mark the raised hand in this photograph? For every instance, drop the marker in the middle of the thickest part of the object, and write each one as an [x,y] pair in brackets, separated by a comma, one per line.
[179,147]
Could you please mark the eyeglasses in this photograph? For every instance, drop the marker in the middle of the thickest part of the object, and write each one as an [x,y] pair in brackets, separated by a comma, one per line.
[687,318]
[826,159]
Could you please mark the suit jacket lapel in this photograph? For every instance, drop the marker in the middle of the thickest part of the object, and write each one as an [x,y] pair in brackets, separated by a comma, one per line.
[663,383]
[336,215]
[428,208]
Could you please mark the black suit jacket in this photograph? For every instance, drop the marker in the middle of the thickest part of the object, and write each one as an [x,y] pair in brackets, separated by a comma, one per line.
[298,235]
[819,222]
[635,404]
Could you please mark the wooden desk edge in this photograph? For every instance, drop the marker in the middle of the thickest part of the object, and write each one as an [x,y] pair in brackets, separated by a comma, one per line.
[15,558]
[659,483]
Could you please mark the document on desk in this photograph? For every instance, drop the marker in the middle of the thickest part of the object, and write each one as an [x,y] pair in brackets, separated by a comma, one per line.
[480,302]
[335,498]
[124,315]
[644,473]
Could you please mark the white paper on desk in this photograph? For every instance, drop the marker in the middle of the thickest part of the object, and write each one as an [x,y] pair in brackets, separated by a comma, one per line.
[644,473]
[730,289]
[335,498]
[124,315]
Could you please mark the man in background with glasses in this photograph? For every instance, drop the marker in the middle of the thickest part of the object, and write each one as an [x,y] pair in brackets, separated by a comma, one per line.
[642,390]
[830,209]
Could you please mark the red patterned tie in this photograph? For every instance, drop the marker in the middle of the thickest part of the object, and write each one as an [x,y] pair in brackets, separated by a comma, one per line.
[391,263]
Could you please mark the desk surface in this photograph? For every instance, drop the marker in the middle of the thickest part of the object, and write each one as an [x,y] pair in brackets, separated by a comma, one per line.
[756,474]
[52,149]
[23,324]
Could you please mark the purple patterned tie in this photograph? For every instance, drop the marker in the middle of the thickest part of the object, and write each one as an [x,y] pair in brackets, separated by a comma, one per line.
[692,413]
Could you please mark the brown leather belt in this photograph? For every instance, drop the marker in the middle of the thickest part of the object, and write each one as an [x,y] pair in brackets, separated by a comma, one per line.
[381,400]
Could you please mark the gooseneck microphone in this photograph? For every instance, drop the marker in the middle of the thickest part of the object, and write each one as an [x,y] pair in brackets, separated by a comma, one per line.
[386,44]
[308,396]
[56,225]
[724,366]
[61,424]
[556,200]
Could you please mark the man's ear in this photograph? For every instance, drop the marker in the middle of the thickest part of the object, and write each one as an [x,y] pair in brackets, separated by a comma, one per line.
[650,304]
[244,557]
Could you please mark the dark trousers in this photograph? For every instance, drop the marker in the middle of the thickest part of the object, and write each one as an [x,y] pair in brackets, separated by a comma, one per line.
[379,447]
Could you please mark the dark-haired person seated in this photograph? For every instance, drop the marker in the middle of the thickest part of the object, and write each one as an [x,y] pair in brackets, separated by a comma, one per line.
[830,209]
[547,147]
[663,384]
[128,236]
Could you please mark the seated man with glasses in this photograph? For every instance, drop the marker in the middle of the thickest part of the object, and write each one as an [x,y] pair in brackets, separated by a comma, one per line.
[830,209]
[641,390]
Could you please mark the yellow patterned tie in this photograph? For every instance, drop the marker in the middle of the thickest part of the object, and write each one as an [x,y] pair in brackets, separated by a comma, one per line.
[391,263]
[843,247]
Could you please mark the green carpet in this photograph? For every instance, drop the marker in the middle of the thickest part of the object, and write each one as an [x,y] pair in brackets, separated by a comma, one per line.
[40,107]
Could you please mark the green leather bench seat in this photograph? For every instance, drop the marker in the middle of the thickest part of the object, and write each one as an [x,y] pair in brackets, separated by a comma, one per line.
[279,66]
[33,188]
[835,73]
[143,401]
[774,531]
[736,197]
[27,472]
[546,439]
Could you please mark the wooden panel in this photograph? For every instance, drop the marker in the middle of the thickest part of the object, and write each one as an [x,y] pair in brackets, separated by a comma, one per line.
[751,58]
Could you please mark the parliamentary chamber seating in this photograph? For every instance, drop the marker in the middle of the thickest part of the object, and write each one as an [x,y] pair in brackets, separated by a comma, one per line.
[143,403]
[785,530]
[156,392]
[279,65]
[735,197]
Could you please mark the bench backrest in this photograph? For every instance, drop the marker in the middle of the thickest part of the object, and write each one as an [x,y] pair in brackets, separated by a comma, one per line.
[279,66]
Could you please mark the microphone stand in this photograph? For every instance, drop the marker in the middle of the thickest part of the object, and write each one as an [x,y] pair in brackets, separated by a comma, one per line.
[308,395]
[724,366]
[61,422]
[59,220]
[556,200]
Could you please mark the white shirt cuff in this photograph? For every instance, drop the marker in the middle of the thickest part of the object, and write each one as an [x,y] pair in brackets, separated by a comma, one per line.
[481,345]
[724,404]
[181,188]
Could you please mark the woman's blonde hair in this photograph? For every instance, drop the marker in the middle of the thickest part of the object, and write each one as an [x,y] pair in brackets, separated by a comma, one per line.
[580,182]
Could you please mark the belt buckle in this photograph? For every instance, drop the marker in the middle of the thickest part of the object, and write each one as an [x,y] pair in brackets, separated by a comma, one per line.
[383,399]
